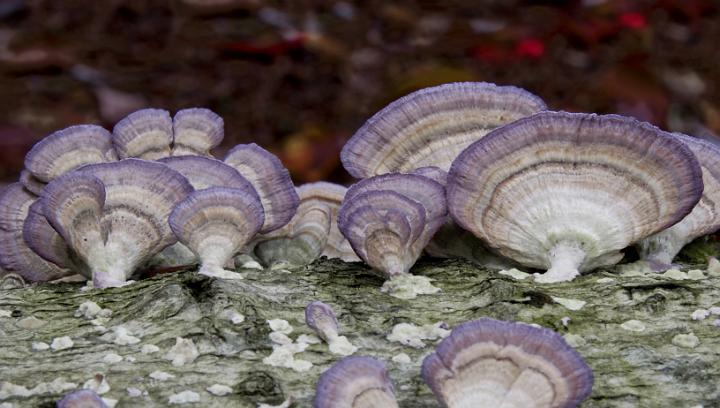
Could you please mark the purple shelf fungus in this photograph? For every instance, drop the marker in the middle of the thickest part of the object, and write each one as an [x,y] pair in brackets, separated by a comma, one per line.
[15,255]
[40,236]
[432,126]
[271,181]
[113,216]
[332,195]
[151,134]
[389,220]
[81,399]
[661,248]
[492,363]
[355,382]
[64,151]
[300,241]
[565,192]
[216,223]
[312,232]
[321,318]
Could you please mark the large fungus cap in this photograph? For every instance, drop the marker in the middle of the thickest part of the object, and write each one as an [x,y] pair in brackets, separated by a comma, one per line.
[145,134]
[332,195]
[114,215]
[355,382]
[216,223]
[567,191]
[492,363]
[432,126]
[389,219]
[271,181]
[64,151]
[204,172]
[704,219]
[15,255]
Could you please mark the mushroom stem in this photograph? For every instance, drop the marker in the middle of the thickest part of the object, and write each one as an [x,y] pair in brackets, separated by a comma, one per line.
[565,259]
[662,247]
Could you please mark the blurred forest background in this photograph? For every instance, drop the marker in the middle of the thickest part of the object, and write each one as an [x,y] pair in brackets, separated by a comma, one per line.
[299,77]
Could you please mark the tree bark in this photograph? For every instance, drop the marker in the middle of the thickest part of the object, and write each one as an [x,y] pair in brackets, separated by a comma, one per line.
[655,366]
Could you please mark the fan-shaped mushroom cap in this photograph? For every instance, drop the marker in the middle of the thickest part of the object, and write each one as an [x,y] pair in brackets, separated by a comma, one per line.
[81,399]
[271,181]
[704,219]
[332,195]
[196,131]
[492,363]
[432,126]
[114,215]
[204,172]
[15,255]
[145,134]
[68,149]
[40,236]
[30,183]
[299,242]
[355,382]
[216,223]
[321,318]
[389,219]
[567,191]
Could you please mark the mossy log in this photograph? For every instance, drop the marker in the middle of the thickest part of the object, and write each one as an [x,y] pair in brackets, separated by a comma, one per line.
[653,363]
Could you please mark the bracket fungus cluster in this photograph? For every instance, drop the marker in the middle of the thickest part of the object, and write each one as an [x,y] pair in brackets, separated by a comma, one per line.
[483,363]
[105,204]
[389,219]
[475,170]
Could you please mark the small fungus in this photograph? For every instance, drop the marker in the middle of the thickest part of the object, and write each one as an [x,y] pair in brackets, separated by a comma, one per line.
[271,181]
[215,223]
[321,318]
[355,382]
[389,219]
[493,363]
[81,399]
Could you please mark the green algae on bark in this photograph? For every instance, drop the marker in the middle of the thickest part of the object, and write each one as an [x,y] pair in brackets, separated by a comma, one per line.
[227,322]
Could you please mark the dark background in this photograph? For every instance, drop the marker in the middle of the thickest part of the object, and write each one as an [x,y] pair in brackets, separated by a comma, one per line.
[299,77]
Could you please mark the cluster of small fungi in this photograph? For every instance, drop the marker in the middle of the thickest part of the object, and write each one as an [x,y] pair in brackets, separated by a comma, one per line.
[470,170]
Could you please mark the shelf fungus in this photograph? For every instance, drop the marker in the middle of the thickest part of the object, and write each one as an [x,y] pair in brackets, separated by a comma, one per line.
[215,223]
[332,195]
[151,134]
[113,216]
[565,192]
[16,256]
[389,219]
[312,232]
[271,181]
[321,318]
[204,172]
[661,248]
[355,382]
[432,126]
[82,399]
[493,363]
[64,151]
